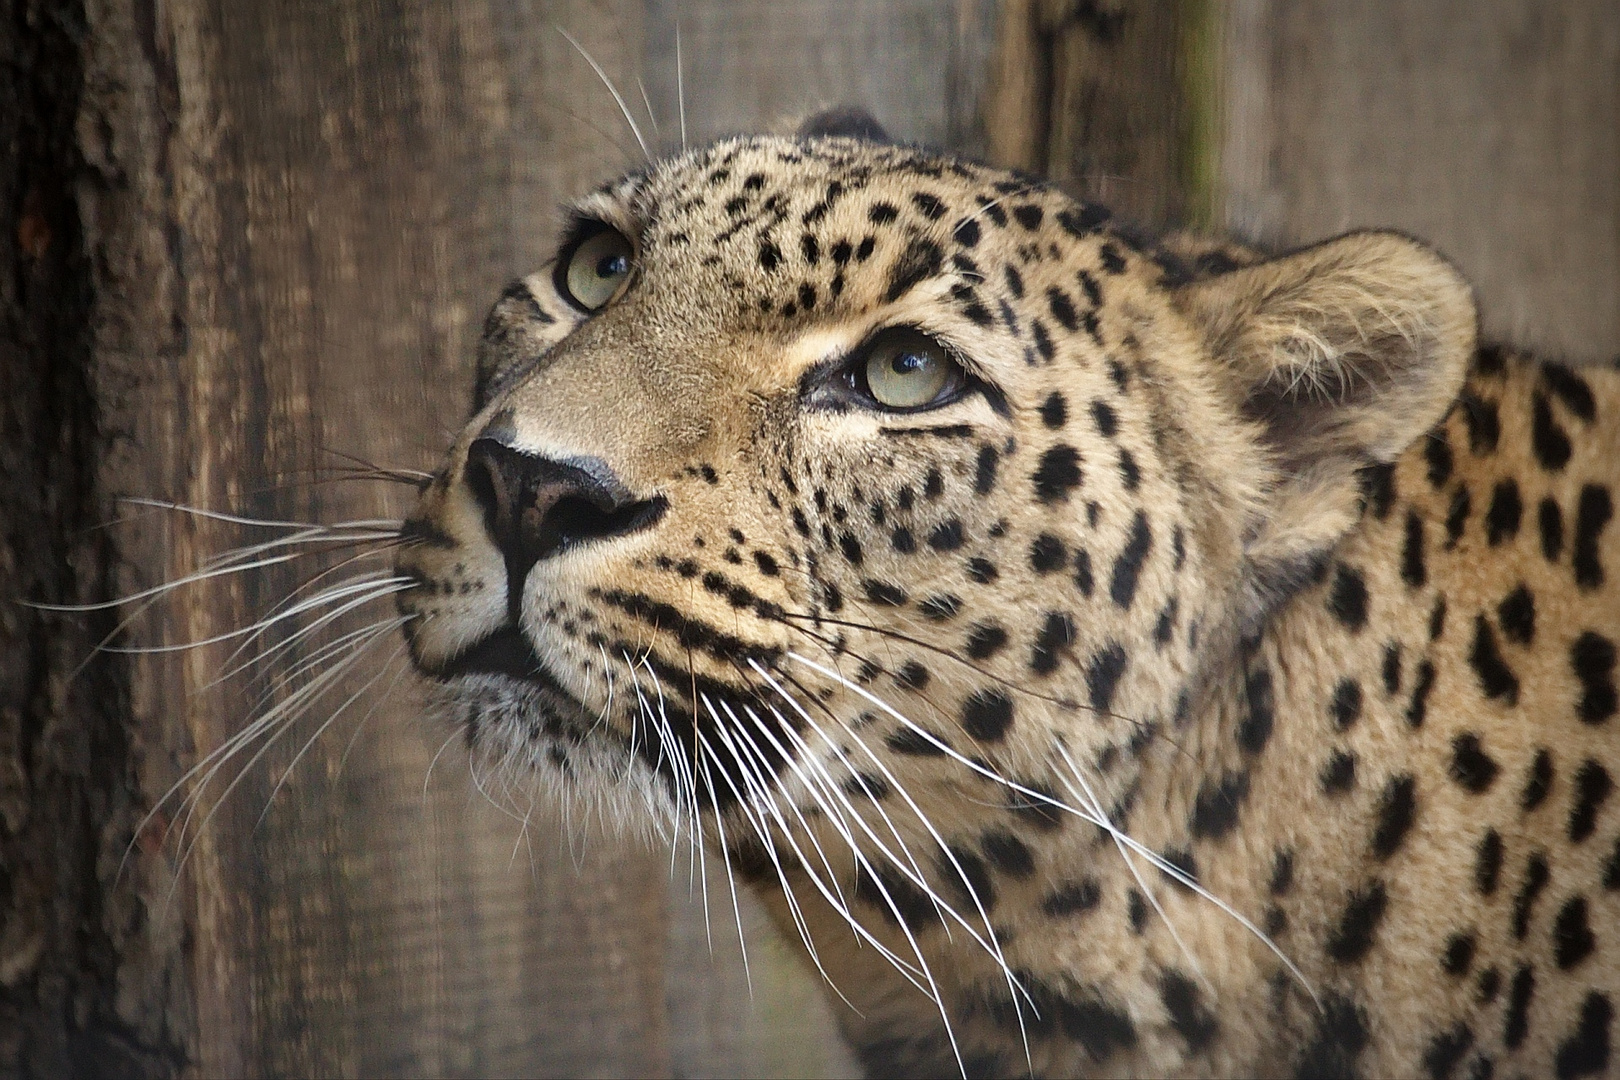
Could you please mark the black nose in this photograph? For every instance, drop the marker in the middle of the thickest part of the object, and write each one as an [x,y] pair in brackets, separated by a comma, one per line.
[535,507]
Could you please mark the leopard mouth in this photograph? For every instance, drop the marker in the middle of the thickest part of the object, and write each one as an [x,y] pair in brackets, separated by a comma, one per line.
[506,653]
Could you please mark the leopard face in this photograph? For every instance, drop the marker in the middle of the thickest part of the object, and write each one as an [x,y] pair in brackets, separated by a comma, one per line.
[924,539]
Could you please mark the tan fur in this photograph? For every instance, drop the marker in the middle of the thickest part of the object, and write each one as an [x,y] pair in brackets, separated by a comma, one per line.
[1132,579]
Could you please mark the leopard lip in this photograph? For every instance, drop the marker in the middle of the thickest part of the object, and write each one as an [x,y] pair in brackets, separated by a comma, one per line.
[505,652]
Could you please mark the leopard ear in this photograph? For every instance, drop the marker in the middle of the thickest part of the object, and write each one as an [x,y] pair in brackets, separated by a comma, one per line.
[1342,355]
[847,120]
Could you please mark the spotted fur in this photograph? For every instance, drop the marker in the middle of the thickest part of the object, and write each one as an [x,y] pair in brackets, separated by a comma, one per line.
[1225,685]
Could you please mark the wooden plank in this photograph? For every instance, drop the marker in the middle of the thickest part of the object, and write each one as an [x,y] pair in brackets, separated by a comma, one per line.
[1491,129]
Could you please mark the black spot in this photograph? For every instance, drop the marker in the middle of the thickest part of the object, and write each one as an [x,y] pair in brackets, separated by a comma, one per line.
[1551,521]
[1539,783]
[1536,876]
[1072,898]
[1471,767]
[1188,1016]
[903,541]
[1037,806]
[1339,773]
[1282,872]
[912,675]
[928,205]
[1592,513]
[967,232]
[1178,548]
[1378,488]
[1488,360]
[1490,984]
[1057,474]
[1347,601]
[1136,910]
[1445,1051]
[1437,452]
[1457,516]
[851,548]
[1015,281]
[1586,1052]
[1484,422]
[1397,810]
[1392,668]
[917,263]
[864,251]
[882,592]
[1413,571]
[1517,614]
[1346,704]
[1130,474]
[1459,954]
[1103,673]
[1007,853]
[941,607]
[866,785]
[1340,1037]
[985,640]
[1254,731]
[1085,220]
[882,213]
[946,536]
[934,484]
[1062,308]
[1352,939]
[1054,410]
[1517,1024]
[914,743]
[890,892]
[1422,686]
[1055,636]
[1488,862]
[984,479]
[1028,216]
[1043,341]
[1496,679]
[1593,658]
[1102,414]
[841,252]
[987,715]
[811,249]
[769,255]
[1571,389]
[1592,787]
[1550,441]
[982,570]
[966,876]
[1502,519]
[1437,618]
[1083,579]
[1573,940]
[1164,628]
[1047,554]
[1215,810]
[1128,567]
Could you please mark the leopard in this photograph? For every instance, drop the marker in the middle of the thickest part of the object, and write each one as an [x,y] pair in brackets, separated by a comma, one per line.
[1102,653]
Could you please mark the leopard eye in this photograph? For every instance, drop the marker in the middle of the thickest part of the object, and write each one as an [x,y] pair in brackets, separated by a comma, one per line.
[907,370]
[597,269]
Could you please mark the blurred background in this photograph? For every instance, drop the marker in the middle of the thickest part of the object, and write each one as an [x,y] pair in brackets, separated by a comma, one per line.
[247,245]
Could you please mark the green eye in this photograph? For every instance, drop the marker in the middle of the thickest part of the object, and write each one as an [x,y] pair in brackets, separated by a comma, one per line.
[909,370]
[597,269]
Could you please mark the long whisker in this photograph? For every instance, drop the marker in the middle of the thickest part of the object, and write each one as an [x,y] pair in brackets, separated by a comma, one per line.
[1158,861]
[614,90]
[680,84]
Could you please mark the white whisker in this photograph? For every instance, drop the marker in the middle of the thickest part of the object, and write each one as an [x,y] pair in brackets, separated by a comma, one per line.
[614,90]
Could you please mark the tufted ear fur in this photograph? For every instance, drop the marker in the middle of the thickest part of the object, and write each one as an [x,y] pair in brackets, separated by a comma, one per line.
[847,120]
[1342,354]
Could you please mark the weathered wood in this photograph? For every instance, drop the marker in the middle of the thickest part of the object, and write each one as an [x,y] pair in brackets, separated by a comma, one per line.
[1490,129]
